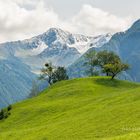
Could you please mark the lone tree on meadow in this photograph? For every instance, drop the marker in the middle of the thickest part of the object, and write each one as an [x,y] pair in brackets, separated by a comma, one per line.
[111,63]
[114,69]
[105,57]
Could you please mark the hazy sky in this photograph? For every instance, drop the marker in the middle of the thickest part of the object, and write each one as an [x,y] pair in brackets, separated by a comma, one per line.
[117,7]
[20,19]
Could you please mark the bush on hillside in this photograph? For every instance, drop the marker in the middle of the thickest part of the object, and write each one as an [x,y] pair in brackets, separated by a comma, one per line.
[1,114]
[4,113]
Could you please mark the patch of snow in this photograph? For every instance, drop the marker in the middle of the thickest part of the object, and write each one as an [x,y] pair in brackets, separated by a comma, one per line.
[22,53]
[85,44]
[39,49]
[82,47]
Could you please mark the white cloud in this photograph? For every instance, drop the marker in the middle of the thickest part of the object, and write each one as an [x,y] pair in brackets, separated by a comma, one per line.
[21,19]
[96,21]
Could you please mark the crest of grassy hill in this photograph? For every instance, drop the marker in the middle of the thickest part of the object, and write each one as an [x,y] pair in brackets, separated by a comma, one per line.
[78,109]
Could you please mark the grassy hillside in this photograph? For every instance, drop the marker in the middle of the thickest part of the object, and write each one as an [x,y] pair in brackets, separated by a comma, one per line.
[79,109]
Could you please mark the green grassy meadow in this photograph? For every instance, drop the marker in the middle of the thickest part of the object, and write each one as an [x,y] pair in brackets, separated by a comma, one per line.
[78,109]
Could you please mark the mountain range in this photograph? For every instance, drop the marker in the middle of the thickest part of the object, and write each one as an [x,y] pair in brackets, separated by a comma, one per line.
[21,61]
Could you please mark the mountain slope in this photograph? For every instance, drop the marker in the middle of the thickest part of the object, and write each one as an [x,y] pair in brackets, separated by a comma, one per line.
[15,81]
[89,108]
[127,46]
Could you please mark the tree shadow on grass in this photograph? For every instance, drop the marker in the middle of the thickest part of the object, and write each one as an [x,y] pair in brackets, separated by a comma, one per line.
[108,82]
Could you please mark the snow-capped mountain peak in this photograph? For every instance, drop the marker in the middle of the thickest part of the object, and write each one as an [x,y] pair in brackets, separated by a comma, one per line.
[59,38]
[86,43]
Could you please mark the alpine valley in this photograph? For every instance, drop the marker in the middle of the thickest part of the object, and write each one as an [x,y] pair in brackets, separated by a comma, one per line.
[21,61]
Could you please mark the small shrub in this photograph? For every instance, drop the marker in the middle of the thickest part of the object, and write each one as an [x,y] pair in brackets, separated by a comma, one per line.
[9,113]
[4,113]
[1,114]
[9,107]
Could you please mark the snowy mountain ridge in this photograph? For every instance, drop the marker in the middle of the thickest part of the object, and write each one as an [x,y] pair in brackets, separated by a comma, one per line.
[57,38]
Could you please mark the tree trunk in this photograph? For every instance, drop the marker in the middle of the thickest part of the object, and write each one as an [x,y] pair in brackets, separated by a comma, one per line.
[49,81]
[113,77]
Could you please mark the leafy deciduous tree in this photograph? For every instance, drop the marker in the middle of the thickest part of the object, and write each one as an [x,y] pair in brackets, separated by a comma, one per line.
[114,69]
[60,74]
[47,73]
[105,57]
[109,62]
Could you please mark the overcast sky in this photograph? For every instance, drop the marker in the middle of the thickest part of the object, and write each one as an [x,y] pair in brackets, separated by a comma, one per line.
[20,19]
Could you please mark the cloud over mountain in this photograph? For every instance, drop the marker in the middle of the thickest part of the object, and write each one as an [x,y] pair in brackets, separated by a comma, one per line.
[22,19]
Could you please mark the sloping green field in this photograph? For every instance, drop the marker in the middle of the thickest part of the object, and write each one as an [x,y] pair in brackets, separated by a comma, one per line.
[79,109]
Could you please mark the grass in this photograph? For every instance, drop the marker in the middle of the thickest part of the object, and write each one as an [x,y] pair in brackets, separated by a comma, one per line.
[78,109]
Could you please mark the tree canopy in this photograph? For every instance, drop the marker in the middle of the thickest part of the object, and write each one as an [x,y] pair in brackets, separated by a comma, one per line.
[53,74]
[109,62]
[60,74]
